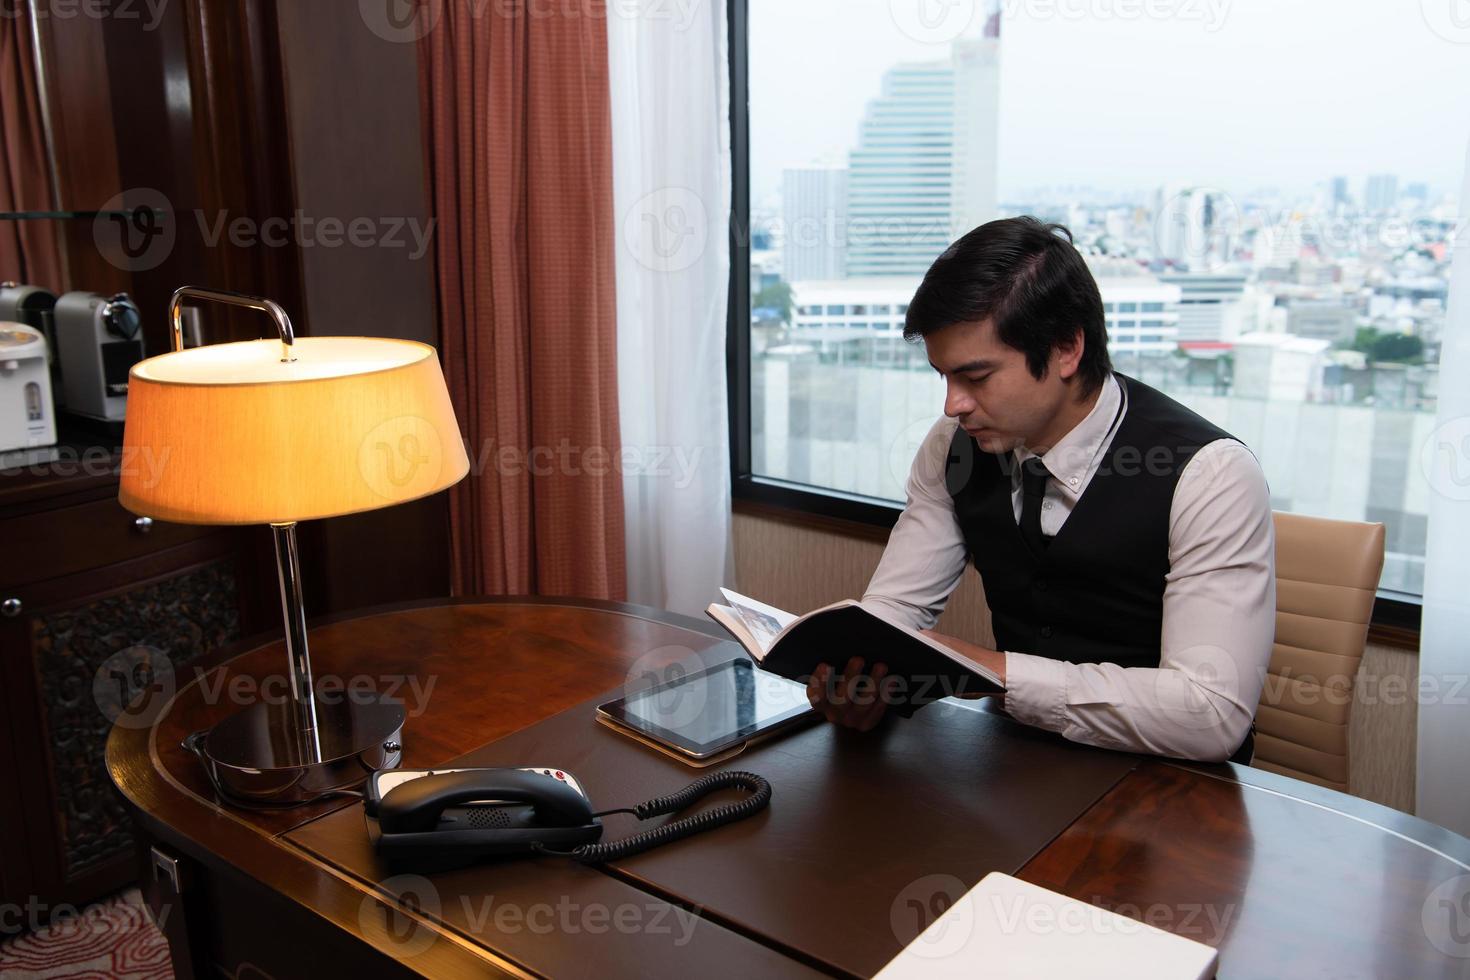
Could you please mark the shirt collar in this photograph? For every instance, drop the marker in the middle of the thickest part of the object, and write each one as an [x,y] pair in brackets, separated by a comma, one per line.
[1070,460]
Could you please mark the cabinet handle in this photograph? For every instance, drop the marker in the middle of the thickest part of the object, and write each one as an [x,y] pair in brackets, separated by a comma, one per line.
[10,608]
[143,525]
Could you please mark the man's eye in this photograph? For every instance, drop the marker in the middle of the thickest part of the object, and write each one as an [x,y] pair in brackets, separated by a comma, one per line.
[977,380]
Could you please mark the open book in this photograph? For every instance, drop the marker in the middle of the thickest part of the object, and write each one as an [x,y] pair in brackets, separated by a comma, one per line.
[924,670]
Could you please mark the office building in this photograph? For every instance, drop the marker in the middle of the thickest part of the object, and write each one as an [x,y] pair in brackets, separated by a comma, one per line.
[814,222]
[1210,303]
[923,171]
[1327,320]
[1381,192]
[1194,227]
[1279,367]
[1140,309]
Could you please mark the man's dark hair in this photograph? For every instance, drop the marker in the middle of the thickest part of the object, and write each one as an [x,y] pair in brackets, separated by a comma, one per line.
[1031,281]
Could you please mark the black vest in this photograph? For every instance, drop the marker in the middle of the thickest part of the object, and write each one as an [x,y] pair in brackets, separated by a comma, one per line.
[1095,595]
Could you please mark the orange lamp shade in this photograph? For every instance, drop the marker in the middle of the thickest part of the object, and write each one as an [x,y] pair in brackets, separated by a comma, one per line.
[231,434]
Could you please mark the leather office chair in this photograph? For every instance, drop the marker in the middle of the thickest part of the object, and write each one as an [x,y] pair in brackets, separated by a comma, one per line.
[1326,577]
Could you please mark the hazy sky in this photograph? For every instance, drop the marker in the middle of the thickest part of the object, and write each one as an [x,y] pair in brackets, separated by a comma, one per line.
[1233,93]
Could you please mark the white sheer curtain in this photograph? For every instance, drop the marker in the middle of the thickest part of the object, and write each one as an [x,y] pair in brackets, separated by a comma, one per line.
[1442,775]
[671,196]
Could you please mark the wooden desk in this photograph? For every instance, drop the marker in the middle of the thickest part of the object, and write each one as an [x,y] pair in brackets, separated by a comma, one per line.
[1285,878]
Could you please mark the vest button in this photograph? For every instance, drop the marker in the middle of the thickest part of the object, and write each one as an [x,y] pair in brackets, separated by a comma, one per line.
[1045,632]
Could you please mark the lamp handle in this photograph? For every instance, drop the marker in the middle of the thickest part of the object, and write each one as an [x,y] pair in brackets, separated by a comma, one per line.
[282,321]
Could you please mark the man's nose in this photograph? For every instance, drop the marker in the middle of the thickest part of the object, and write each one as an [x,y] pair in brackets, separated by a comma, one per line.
[956,401]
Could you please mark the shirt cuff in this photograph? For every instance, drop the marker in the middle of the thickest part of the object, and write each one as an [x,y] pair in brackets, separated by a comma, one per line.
[1036,691]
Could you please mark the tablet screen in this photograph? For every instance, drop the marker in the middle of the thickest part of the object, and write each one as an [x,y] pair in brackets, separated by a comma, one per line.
[712,709]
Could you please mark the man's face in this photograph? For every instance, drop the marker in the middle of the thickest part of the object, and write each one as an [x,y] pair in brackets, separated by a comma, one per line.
[992,393]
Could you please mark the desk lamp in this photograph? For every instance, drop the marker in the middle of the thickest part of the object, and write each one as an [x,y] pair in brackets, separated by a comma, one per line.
[277,432]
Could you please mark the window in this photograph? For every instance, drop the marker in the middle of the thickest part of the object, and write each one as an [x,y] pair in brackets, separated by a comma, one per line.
[1301,311]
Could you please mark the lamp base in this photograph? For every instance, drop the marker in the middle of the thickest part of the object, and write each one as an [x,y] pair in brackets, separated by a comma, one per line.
[256,756]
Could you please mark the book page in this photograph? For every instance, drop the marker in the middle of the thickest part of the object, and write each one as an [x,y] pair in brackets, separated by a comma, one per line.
[763,622]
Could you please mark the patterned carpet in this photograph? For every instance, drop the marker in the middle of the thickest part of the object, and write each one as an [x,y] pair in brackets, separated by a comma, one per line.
[113,939]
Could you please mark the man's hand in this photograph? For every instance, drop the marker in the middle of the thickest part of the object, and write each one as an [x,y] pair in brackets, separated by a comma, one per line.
[853,700]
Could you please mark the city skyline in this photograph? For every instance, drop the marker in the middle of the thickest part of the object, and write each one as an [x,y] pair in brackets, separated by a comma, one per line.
[1126,106]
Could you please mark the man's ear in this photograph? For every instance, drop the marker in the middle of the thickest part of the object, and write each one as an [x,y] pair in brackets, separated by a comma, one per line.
[1066,357]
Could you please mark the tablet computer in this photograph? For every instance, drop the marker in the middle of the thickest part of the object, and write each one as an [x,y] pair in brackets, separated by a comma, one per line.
[708,713]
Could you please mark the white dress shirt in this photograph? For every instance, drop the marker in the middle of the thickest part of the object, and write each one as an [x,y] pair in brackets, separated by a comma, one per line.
[1219,616]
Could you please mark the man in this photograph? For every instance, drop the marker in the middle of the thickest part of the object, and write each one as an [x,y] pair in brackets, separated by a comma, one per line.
[1124,542]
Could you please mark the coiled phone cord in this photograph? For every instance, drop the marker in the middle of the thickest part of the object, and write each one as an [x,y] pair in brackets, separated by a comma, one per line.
[759,799]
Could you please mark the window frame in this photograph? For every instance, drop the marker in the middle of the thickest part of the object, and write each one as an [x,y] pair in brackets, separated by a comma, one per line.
[1396,615]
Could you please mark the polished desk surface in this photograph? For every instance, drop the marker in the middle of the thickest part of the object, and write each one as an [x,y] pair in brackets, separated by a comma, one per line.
[868,837]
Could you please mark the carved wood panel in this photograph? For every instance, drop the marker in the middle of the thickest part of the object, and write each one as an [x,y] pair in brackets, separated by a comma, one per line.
[85,658]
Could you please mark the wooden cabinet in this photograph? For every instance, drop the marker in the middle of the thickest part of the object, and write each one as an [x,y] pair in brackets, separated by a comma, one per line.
[92,601]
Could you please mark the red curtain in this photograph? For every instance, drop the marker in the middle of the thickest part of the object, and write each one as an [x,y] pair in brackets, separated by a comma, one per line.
[517,123]
[28,249]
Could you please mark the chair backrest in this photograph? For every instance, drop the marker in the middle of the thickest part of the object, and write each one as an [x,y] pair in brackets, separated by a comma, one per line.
[1326,577]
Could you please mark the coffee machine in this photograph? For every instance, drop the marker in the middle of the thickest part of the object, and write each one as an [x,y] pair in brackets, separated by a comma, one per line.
[98,339]
[27,416]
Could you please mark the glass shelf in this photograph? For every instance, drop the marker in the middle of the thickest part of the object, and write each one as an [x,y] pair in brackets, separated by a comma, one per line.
[74,215]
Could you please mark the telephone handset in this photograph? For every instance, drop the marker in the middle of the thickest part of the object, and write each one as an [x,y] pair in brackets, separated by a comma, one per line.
[450,816]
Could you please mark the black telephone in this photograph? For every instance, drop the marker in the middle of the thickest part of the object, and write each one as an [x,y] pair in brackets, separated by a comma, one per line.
[447,817]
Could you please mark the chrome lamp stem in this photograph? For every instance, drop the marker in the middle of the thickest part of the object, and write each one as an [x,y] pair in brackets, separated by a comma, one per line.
[293,612]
